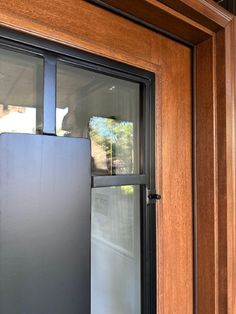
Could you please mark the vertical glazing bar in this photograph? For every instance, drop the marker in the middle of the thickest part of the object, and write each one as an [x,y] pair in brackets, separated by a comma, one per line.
[39,100]
[49,109]
[152,136]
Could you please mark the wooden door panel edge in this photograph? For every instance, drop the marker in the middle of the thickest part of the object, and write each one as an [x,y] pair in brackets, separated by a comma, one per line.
[206,176]
[230,74]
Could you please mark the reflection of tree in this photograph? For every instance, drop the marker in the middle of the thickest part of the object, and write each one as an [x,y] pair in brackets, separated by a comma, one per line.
[116,138]
[127,190]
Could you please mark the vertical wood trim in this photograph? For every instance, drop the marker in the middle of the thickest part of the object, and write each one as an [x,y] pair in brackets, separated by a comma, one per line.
[230,244]
[215,172]
[175,211]
[225,69]
[206,178]
[216,163]
[221,169]
[233,192]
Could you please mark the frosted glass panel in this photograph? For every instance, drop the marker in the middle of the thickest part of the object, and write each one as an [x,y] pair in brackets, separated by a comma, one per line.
[104,109]
[116,250]
[45,225]
[21,92]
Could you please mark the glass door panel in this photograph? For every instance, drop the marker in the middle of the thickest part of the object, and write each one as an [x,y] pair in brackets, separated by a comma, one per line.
[21,92]
[46,215]
[104,109]
[115,262]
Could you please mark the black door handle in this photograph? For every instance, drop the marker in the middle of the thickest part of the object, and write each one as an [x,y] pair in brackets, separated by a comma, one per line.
[154,197]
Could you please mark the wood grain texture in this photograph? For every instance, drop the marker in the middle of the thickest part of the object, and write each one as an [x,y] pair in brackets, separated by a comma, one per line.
[175,213]
[225,50]
[77,24]
[85,26]
[164,17]
[82,25]
[206,178]
[230,170]
[215,134]
[232,190]
[205,12]
[222,170]
[215,173]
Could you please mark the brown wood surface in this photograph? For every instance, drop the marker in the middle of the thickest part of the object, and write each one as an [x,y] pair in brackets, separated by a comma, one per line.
[222,170]
[175,229]
[206,173]
[160,15]
[80,24]
[231,191]
[230,177]
[226,166]
[211,30]
[215,172]
[193,22]
[215,140]
[205,12]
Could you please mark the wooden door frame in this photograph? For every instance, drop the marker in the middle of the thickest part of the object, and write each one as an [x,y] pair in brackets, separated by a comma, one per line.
[211,32]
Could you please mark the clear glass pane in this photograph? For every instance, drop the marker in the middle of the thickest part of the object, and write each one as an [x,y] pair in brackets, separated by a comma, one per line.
[116,250]
[104,109]
[21,92]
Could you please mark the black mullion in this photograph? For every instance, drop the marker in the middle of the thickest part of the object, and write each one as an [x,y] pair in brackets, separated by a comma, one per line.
[142,124]
[49,103]
[151,133]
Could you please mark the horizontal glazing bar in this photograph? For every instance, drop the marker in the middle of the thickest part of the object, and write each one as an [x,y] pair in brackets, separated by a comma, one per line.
[103,181]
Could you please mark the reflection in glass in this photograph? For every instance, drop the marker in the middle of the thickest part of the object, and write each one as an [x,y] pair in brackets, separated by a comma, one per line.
[21,92]
[116,250]
[104,109]
[112,147]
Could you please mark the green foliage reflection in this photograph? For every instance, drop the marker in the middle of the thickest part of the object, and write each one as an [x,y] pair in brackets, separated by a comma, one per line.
[116,138]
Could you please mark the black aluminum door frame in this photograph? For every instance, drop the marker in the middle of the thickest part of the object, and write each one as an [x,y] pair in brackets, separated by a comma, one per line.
[53,52]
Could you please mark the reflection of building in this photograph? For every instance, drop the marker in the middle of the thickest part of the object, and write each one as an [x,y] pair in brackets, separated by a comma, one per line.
[20,119]
[7,109]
